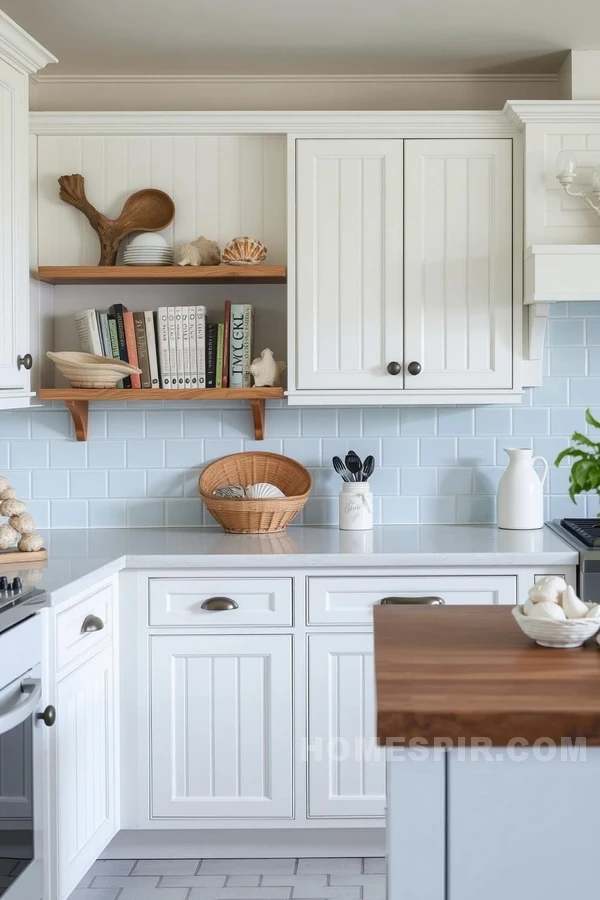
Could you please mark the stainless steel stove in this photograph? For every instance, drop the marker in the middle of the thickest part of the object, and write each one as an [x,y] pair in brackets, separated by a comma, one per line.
[17,601]
[584,536]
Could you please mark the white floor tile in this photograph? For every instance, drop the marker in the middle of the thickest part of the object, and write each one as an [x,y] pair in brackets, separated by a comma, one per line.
[297,880]
[375,865]
[91,894]
[112,867]
[119,881]
[358,879]
[247,867]
[244,880]
[138,893]
[188,881]
[239,893]
[166,867]
[334,866]
[306,892]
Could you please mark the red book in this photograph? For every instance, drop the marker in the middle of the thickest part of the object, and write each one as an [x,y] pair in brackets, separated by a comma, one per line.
[132,354]
[225,377]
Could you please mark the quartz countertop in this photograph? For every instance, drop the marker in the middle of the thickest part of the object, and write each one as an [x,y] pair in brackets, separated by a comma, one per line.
[78,559]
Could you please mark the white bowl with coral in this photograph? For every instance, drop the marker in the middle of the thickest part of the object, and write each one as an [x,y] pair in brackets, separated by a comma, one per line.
[565,633]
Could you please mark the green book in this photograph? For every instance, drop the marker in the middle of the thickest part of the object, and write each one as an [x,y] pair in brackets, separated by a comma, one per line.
[219,372]
[114,341]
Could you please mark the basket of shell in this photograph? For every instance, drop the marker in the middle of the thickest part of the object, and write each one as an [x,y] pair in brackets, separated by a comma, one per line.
[554,616]
[254,493]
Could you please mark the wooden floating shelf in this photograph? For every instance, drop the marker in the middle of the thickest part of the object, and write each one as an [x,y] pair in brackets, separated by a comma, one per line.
[163,274]
[77,401]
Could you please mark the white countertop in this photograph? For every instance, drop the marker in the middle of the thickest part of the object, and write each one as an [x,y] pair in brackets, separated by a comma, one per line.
[79,559]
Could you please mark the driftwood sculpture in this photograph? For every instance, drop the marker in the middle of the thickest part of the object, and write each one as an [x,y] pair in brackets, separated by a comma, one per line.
[147,210]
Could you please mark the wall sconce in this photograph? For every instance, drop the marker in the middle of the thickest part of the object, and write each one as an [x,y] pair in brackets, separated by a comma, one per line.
[566,172]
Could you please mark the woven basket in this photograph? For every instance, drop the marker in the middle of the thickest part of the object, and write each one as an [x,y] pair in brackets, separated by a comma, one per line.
[255,516]
[552,633]
[86,370]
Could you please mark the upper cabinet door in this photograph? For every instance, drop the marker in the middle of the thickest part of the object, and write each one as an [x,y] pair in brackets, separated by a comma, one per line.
[458,264]
[348,263]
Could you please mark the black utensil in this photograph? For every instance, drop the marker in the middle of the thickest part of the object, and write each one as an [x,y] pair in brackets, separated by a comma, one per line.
[341,469]
[354,465]
[368,468]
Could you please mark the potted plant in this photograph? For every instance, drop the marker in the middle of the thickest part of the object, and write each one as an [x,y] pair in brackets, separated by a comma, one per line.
[585,470]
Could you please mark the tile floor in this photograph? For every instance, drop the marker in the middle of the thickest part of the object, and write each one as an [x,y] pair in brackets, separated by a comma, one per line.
[234,879]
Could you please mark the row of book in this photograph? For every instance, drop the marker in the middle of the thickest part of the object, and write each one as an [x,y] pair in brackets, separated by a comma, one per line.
[175,347]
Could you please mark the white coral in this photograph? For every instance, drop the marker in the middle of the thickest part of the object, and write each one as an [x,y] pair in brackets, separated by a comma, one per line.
[200,252]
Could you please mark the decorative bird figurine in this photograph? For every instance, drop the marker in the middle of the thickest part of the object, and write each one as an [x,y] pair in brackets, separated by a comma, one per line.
[265,369]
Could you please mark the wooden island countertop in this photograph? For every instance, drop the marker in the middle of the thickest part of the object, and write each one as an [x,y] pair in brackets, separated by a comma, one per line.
[469,672]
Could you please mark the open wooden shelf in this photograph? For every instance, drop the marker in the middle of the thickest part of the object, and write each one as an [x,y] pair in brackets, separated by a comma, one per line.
[77,401]
[163,274]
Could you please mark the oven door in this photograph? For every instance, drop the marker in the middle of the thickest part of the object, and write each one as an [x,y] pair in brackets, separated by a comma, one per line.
[21,795]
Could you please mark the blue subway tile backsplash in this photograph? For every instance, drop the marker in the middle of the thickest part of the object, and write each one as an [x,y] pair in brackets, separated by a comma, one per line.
[141,463]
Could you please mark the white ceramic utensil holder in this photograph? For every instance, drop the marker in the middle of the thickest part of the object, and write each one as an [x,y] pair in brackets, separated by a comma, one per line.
[521,491]
[356,506]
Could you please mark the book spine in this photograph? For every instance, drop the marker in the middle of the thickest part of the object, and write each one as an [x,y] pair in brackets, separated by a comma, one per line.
[201,344]
[185,335]
[219,359]
[152,347]
[104,334]
[117,310]
[164,353]
[88,332]
[211,355]
[248,330]
[236,346]
[192,347]
[172,348]
[226,323]
[139,322]
[114,342]
[128,325]
[179,347]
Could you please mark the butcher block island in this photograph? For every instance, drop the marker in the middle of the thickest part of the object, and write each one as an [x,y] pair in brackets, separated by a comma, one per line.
[493,756]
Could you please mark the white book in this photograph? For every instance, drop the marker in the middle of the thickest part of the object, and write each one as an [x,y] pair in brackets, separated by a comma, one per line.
[201,344]
[86,323]
[192,347]
[172,345]
[179,347]
[185,331]
[152,349]
[162,343]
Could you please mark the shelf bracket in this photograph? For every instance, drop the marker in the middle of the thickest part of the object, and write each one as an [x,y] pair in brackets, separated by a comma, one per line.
[79,412]
[258,418]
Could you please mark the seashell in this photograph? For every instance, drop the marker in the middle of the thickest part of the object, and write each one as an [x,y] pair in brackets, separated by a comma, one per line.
[12,507]
[22,522]
[30,542]
[547,609]
[244,251]
[593,611]
[573,607]
[528,606]
[265,369]
[263,491]
[548,589]
[8,537]
[200,252]
[3,483]
[230,491]
[8,494]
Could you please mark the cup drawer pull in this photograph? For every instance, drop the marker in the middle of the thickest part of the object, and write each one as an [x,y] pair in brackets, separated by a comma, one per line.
[219,604]
[419,601]
[92,623]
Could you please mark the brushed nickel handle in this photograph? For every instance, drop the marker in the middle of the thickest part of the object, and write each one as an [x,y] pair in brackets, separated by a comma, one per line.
[25,361]
[48,717]
[219,604]
[417,601]
[92,623]
[394,368]
[414,368]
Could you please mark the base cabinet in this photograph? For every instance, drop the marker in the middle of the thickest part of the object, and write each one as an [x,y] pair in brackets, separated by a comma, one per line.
[221,726]
[346,768]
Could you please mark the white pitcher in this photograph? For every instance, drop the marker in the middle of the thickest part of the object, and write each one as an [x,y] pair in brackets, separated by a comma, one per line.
[521,491]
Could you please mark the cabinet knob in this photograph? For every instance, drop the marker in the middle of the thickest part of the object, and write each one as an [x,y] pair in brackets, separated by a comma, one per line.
[394,368]
[48,717]
[219,604]
[25,362]
[92,623]
[414,368]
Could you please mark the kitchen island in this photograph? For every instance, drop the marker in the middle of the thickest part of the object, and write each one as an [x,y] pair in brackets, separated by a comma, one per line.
[493,757]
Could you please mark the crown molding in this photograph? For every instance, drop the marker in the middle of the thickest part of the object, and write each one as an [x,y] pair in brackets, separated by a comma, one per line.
[549,112]
[363,123]
[293,79]
[19,49]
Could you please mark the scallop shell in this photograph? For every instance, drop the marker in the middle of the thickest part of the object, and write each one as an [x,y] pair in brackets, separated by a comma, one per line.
[230,492]
[263,491]
[244,251]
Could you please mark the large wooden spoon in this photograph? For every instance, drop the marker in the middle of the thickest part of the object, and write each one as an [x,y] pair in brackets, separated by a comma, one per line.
[147,210]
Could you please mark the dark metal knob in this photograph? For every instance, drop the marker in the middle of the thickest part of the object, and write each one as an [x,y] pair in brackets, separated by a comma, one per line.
[17,584]
[25,361]
[48,717]
[3,583]
[414,368]
[92,623]
[394,368]
[219,604]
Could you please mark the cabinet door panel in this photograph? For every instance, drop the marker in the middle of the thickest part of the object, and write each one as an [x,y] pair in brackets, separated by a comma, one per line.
[348,263]
[458,263]
[346,767]
[221,726]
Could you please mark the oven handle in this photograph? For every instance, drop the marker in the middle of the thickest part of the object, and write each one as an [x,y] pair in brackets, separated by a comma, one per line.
[31,688]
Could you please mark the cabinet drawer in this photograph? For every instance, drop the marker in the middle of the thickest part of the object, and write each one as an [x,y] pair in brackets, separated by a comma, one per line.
[258,601]
[349,601]
[73,640]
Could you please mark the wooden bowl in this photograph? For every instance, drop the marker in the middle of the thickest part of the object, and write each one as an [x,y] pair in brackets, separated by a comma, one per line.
[552,633]
[86,370]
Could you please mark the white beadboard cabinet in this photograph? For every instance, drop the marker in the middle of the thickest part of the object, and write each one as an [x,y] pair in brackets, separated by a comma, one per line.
[221,732]
[20,57]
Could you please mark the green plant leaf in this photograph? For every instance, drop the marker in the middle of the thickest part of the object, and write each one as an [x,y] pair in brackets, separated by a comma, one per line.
[579,438]
[571,451]
[591,420]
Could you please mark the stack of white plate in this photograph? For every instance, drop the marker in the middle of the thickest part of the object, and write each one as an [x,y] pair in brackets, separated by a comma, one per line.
[148,249]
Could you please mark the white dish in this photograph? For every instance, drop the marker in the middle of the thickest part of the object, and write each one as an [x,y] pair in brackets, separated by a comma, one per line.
[146,239]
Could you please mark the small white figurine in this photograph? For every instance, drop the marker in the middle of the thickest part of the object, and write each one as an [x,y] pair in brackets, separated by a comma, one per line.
[200,252]
[265,369]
